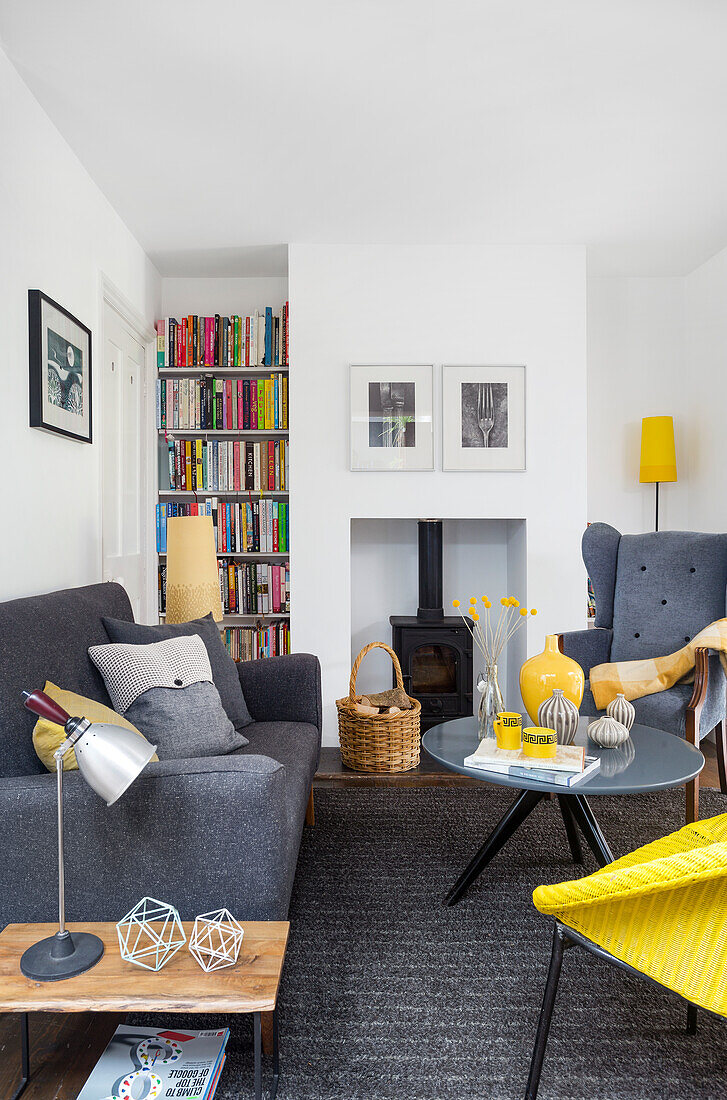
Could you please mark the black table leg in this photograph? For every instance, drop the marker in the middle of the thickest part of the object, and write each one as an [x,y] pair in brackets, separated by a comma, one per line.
[546,1014]
[258,1042]
[24,1055]
[591,830]
[523,805]
[571,829]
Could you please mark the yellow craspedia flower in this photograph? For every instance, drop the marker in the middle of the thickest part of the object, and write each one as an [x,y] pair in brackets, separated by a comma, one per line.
[514,602]
[523,610]
[486,602]
[533,612]
[503,601]
[475,616]
[473,599]
[455,603]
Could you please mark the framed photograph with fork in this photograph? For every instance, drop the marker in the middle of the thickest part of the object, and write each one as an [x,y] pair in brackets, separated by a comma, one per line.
[483,418]
[391,418]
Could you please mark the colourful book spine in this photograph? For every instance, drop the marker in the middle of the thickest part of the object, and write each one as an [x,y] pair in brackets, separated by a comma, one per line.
[240,405]
[247,341]
[276,398]
[160,345]
[268,336]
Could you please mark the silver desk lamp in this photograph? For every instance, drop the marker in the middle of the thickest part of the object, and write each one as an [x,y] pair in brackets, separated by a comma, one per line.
[109,759]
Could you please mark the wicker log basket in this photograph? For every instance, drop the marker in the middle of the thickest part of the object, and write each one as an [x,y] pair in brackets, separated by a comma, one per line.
[381,742]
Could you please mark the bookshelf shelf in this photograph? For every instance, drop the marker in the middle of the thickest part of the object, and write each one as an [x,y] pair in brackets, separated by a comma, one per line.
[189,494]
[225,393]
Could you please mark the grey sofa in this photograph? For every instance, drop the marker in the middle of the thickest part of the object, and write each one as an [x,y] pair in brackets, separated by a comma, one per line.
[654,593]
[199,833]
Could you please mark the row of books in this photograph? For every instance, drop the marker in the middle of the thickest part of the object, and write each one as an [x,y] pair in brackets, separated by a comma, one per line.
[223,404]
[246,588]
[262,339]
[257,527]
[228,465]
[145,1061]
[567,768]
[250,643]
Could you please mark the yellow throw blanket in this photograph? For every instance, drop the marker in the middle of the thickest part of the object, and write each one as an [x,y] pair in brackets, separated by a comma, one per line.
[638,678]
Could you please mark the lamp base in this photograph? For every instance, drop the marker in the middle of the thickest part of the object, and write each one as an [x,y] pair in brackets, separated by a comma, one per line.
[61,956]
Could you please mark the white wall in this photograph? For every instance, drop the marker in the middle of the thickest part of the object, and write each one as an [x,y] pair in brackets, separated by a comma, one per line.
[209,296]
[636,356]
[705,391]
[59,234]
[433,304]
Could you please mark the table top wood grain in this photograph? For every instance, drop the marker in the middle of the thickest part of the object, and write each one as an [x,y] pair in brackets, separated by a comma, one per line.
[251,985]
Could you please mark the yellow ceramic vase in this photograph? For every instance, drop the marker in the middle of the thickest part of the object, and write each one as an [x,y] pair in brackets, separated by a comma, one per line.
[547,670]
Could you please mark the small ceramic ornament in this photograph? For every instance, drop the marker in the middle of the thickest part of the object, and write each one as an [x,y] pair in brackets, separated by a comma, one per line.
[622,710]
[560,714]
[608,733]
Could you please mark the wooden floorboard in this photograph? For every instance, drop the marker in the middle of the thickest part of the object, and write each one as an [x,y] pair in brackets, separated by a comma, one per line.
[64,1048]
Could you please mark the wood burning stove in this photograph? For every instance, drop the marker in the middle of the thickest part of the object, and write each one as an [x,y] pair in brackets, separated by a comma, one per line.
[434,649]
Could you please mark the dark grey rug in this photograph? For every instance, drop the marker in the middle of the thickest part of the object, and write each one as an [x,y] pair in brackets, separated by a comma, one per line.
[388,995]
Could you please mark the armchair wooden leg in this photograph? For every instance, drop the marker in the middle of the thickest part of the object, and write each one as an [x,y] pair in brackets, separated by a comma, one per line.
[310,811]
[693,801]
[720,733]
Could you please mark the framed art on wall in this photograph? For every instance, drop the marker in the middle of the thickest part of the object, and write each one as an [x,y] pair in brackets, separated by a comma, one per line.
[60,369]
[483,418]
[391,418]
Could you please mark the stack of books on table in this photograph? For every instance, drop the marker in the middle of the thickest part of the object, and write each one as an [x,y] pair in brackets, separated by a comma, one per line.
[144,1062]
[568,767]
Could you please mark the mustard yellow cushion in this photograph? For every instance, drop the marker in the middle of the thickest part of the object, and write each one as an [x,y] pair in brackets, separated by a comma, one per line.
[47,736]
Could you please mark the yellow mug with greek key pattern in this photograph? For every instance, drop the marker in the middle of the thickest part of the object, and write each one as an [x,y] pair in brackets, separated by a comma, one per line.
[539,742]
[508,729]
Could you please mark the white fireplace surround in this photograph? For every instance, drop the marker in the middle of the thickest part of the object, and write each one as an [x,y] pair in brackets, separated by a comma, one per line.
[433,304]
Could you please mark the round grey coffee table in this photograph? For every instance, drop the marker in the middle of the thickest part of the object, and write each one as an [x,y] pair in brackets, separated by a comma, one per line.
[650,761]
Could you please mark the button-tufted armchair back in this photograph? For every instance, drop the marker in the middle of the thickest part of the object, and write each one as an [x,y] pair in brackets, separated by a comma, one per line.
[656,591]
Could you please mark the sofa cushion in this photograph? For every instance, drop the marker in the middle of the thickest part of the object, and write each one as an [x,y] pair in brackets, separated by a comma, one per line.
[166,689]
[47,638]
[224,669]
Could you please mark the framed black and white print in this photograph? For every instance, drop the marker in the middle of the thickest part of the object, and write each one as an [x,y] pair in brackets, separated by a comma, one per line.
[483,418]
[391,418]
[60,369]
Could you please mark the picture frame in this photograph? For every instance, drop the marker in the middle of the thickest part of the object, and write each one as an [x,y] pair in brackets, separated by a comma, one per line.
[392,417]
[483,418]
[60,370]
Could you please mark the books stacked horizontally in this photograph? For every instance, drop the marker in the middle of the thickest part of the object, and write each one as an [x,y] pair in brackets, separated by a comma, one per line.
[250,643]
[260,527]
[568,767]
[141,1061]
[262,339]
[226,465]
[223,404]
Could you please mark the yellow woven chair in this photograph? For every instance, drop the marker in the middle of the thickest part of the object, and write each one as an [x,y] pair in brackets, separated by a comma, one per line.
[660,912]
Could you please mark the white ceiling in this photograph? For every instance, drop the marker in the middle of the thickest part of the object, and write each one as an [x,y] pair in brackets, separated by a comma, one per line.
[216,126]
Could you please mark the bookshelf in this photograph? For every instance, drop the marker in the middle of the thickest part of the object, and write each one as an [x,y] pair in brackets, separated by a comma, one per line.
[222,424]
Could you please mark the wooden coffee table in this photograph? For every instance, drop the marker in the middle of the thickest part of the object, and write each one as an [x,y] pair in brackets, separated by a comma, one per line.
[180,987]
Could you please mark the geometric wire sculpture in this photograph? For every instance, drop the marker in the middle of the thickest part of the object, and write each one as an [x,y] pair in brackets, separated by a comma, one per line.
[150,934]
[216,939]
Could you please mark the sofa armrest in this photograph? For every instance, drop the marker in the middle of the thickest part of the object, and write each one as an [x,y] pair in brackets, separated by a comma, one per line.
[587,647]
[283,689]
[198,833]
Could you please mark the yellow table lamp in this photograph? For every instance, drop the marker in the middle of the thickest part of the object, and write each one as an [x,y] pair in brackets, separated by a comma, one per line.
[193,582]
[658,454]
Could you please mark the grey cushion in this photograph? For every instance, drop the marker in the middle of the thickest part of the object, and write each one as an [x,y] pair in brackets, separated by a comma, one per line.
[47,638]
[165,689]
[224,669]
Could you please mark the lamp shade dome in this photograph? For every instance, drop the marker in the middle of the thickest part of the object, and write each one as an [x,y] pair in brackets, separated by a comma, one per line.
[110,758]
[658,452]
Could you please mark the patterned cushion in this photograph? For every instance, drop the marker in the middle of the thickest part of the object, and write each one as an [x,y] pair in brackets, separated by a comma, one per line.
[166,689]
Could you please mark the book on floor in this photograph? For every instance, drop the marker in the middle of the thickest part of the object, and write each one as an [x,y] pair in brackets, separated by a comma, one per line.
[170,1062]
[568,758]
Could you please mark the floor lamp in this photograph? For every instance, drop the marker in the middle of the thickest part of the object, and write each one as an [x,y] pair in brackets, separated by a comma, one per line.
[658,454]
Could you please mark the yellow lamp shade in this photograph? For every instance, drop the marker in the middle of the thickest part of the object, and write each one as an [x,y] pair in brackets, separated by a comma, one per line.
[658,453]
[193,584]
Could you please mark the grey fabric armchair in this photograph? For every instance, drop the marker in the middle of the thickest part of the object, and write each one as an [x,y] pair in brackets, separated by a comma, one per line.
[654,592]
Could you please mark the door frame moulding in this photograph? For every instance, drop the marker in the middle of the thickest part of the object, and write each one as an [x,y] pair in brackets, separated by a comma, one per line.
[111,297]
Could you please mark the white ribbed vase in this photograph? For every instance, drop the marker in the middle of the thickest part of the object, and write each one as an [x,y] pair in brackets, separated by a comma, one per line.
[608,733]
[560,714]
[623,711]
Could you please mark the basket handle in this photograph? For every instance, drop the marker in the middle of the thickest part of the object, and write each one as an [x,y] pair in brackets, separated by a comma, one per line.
[357,665]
